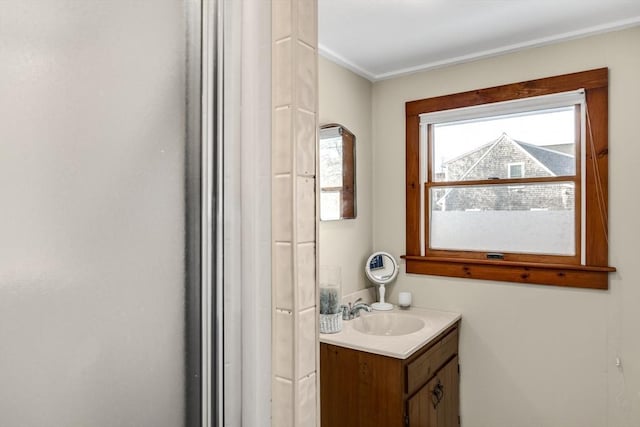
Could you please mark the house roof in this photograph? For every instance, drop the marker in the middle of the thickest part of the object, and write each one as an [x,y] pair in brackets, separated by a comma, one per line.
[557,158]
[557,162]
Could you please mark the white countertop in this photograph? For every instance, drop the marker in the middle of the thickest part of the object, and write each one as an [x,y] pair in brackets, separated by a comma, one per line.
[399,346]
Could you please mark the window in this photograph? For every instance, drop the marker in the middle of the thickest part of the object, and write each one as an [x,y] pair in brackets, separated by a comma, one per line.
[509,183]
[516,170]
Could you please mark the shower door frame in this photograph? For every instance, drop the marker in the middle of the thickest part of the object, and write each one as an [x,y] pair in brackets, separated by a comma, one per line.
[204,403]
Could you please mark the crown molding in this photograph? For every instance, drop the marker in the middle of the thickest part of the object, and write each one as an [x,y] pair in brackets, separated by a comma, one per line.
[539,42]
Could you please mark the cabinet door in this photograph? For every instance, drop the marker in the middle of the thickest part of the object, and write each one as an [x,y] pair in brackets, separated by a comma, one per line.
[422,411]
[448,410]
[437,403]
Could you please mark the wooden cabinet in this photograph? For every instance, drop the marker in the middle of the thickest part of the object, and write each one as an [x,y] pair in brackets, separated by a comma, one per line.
[436,403]
[360,389]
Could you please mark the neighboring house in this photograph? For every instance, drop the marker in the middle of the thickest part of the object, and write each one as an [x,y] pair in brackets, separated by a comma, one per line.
[506,158]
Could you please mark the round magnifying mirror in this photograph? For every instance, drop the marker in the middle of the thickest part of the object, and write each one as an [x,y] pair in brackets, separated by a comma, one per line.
[381,268]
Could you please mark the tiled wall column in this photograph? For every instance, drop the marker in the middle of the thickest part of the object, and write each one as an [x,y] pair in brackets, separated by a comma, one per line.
[294,95]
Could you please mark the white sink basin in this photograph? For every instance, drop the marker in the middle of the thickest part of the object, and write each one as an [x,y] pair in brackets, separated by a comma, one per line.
[388,324]
[396,333]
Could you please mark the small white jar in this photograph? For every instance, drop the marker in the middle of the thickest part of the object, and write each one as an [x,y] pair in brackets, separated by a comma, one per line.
[404,299]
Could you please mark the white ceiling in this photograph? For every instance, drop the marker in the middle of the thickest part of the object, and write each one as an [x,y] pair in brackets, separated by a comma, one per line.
[379,39]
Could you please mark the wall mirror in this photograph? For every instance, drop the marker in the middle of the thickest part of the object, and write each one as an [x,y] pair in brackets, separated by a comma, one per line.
[337,168]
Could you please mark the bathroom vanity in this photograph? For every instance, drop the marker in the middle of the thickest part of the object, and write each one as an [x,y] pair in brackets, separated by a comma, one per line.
[403,376]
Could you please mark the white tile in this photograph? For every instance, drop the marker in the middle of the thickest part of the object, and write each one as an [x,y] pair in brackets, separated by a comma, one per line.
[306,261]
[282,141]
[307,22]
[283,275]
[307,401]
[282,199]
[306,129]
[281,19]
[282,73]
[283,343]
[306,81]
[306,210]
[282,399]
[294,158]
[307,342]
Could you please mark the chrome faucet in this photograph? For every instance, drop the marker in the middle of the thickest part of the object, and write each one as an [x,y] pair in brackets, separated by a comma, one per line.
[352,310]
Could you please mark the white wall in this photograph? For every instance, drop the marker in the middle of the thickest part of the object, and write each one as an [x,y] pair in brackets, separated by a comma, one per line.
[533,355]
[345,98]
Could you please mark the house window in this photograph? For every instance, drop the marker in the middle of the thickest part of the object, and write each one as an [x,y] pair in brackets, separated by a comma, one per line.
[515,170]
[471,209]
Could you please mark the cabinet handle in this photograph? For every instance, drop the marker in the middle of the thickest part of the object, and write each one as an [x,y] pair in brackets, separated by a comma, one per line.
[437,394]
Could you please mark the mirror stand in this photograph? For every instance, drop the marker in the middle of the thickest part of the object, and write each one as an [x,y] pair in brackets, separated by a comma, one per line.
[382,305]
[381,268]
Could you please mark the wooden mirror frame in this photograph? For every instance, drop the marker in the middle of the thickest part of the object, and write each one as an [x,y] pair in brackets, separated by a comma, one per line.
[348,189]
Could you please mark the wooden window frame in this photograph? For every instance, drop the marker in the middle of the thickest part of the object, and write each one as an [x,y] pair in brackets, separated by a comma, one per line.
[531,268]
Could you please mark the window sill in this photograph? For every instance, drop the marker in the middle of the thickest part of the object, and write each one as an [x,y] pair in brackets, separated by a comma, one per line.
[576,276]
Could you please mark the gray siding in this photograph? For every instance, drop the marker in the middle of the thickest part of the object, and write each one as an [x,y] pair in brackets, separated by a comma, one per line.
[492,161]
